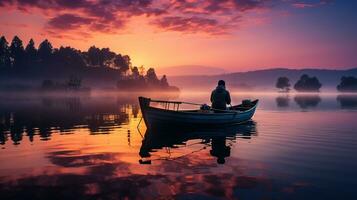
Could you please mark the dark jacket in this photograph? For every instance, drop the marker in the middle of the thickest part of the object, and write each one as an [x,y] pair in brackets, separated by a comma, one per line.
[220,97]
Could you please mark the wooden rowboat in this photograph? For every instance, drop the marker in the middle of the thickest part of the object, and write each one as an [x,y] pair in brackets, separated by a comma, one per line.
[154,116]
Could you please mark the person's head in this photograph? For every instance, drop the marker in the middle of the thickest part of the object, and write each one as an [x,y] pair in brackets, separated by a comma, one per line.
[221,83]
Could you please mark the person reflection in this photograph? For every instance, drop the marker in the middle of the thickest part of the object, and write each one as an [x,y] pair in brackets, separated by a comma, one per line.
[220,149]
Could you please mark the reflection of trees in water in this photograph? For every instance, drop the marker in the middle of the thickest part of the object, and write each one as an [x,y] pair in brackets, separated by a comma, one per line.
[47,115]
[135,109]
[156,139]
[282,101]
[104,123]
[307,101]
[43,116]
[68,103]
[347,101]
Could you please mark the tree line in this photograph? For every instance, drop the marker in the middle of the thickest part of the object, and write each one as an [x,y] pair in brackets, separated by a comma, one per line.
[18,58]
[312,84]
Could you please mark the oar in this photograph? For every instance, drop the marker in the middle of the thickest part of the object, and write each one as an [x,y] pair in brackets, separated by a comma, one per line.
[176,102]
[197,104]
[228,111]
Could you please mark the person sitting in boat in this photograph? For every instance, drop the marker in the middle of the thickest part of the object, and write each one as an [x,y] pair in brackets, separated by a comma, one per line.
[220,97]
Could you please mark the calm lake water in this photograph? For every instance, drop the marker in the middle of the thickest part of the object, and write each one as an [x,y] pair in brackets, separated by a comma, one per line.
[89,147]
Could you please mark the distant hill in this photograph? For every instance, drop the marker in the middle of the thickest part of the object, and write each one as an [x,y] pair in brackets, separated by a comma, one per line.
[261,79]
[187,70]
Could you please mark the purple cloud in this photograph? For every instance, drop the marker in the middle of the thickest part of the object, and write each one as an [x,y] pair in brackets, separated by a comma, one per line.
[190,25]
[68,21]
[110,16]
[303,4]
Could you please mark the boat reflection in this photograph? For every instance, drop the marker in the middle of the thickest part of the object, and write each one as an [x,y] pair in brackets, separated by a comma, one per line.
[307,101]
[176,137]
[347,101]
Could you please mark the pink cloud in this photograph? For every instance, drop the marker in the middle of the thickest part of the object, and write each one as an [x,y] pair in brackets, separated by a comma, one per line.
[110,16]
[303,5]
[190,25]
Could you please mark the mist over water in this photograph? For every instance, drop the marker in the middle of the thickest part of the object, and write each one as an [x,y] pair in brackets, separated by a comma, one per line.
[297,146]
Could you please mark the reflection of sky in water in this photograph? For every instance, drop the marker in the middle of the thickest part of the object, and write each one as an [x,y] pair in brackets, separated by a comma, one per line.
[290,101]
[89,147]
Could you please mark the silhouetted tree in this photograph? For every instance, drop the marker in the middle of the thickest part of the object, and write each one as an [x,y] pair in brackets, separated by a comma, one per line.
[142,70]
[106,57]
[151,77]
[17,52]
[72,61]
[163,81]
[127,61]
[121,64]
[45,51]
[307,84]
[93,55]
[139,79]
[102,58]
[135,73]
[31,53]
[4,53]
[69,57]
[348,84]
[283,84]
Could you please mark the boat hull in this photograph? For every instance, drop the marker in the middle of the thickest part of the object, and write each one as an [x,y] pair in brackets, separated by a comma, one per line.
[161,117]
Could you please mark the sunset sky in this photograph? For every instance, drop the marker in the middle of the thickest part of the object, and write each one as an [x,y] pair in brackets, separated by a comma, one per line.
[236,35]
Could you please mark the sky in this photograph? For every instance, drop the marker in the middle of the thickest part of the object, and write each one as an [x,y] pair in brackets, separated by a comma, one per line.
[236,35]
